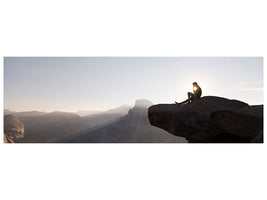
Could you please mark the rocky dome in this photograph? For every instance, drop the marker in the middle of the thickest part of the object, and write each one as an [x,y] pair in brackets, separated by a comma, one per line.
[210,119]
[143,103]
[13,129]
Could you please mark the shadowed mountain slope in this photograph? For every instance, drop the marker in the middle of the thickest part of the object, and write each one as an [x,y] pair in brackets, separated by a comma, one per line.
[98,119]
[134,127]
[49,127]
[42,127]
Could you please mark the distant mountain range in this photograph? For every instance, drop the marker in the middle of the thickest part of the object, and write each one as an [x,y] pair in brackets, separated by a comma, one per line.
[48,127]
[132,128]
[120,110]
[94,120]
[51,127]
[122,124]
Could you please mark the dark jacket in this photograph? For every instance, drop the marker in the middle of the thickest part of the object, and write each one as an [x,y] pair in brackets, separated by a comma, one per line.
[197,92]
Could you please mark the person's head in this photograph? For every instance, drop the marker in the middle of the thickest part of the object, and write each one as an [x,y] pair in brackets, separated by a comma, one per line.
[195,84]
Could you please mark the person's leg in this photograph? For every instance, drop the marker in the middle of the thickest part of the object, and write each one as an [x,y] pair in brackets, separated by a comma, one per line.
[186,101]
[190,96]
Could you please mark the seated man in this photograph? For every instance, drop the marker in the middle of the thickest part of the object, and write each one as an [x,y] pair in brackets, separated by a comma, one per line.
[197,94]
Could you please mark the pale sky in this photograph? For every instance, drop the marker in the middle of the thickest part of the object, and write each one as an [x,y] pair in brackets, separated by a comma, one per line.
[100,83]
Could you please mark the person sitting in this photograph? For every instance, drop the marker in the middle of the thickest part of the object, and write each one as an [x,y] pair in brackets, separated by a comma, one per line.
[192,96]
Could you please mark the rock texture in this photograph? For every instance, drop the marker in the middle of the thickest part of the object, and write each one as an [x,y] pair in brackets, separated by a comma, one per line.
[246,122]
[13,129]
[210,119]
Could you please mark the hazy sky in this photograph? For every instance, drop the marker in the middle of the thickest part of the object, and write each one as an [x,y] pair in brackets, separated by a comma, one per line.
[72,84]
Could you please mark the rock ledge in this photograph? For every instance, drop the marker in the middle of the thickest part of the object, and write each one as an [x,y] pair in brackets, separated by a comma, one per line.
[210,119]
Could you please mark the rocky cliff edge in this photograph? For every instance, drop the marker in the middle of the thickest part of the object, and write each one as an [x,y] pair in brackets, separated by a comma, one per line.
[210,119]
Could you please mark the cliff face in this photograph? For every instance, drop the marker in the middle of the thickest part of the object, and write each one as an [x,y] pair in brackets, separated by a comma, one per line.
[210,119]
[13,129]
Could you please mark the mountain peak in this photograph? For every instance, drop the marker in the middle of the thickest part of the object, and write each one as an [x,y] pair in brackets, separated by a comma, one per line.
[143,103]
